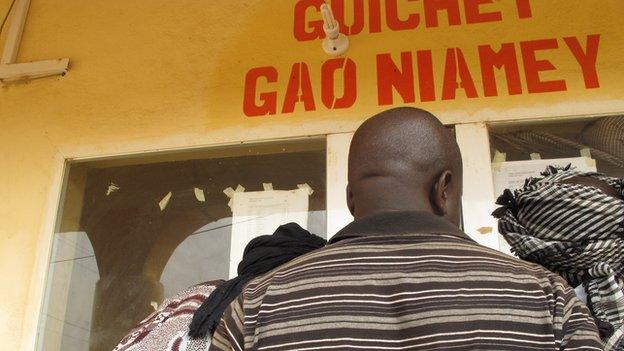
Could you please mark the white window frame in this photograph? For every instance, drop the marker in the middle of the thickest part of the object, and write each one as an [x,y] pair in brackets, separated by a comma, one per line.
[478,198]
[338,214]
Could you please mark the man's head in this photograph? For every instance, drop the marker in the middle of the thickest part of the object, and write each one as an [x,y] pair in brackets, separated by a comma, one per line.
[404,159]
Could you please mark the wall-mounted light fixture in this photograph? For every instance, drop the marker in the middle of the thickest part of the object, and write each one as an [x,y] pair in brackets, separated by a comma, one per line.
[10,70]
[335,43]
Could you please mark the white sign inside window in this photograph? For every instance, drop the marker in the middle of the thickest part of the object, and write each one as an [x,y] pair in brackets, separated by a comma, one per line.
[262,212]
[512,174]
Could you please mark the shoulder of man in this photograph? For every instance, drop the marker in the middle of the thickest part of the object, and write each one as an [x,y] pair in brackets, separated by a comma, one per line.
[230,333]
[573,326]
[572,322]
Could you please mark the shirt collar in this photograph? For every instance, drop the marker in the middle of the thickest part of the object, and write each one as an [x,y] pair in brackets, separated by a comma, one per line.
[397,223]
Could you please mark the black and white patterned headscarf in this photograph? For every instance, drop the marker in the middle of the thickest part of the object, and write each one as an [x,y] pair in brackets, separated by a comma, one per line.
[576,231]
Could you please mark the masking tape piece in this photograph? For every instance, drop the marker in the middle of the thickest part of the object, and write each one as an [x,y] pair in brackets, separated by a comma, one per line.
[112,187]
[165,201]
[499,158]
[199,194]
[536,156]
[306,187]
[154,305]
[586,153]
[229,192]
[484,230]
[267,186]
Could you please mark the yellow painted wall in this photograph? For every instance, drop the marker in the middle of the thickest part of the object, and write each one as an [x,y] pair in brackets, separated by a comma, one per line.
[156,75]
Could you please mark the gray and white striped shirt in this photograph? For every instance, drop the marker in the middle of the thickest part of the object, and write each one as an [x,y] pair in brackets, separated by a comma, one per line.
[406,281]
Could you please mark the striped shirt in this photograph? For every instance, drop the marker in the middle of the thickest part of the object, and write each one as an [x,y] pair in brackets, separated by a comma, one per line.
[406,281]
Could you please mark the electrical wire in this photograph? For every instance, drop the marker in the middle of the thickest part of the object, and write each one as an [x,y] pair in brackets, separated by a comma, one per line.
[6,16]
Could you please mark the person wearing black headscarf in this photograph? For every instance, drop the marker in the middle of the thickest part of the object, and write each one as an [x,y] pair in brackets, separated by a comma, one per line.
[261,255]
[573,224]
[188,320]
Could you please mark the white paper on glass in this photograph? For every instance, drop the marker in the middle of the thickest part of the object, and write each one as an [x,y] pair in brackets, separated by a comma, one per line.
[512,174]
[260,213]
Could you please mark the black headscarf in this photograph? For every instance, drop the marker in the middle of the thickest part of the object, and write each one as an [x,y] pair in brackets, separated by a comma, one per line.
[261,255]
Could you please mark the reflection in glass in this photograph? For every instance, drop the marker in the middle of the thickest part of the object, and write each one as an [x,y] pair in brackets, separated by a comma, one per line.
[134,230]
[602,137]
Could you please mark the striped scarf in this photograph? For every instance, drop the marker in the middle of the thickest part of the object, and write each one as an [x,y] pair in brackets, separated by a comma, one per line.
[576,231]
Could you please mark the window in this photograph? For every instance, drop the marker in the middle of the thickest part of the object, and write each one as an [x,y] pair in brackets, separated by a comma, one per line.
[135,230]
[601,139]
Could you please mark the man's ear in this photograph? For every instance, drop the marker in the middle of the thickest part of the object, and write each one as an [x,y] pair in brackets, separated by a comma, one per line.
[350,202]
[440,193]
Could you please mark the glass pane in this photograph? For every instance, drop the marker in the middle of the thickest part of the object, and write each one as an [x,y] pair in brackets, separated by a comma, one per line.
[135,230]
[602,137]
